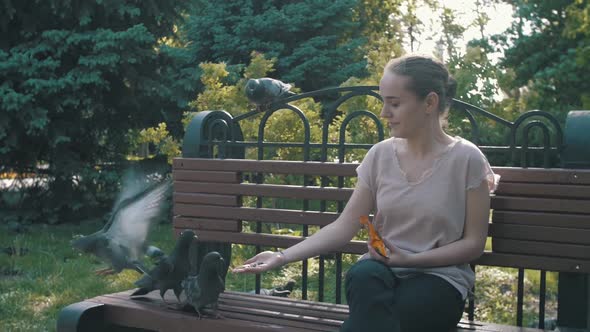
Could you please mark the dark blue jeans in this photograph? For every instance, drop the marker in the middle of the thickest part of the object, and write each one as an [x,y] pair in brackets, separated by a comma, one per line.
[380,301]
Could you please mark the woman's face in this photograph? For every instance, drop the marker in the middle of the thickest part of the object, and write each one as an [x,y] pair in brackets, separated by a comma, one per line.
[405,113]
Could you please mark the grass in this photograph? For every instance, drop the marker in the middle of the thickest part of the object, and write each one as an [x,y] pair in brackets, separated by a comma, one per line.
[37,283]
[46,275]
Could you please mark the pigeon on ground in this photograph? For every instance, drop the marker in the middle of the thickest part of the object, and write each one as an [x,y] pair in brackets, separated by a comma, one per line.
[204,289]
[170,271]
[121,243]
[264,91]
[281,291]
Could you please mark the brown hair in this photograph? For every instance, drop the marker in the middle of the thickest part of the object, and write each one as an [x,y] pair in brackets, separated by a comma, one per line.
[426,75]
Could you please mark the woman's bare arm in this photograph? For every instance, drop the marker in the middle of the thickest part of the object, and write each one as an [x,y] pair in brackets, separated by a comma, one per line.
[331,237]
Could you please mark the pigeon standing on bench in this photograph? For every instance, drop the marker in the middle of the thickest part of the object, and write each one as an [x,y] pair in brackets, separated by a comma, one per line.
[264,91]
[121,243]
[170,271]
[204,289]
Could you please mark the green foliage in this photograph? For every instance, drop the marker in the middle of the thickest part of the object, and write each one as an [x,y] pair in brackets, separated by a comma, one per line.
[160,137]
[578,28]
[76,78]
[223,89]
[496,294]
[316,43]
[546,60]
[451,32]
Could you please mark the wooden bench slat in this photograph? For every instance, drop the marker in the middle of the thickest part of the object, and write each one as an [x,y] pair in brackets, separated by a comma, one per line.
[543,175]
[269,240]
[359,247]
[541,248]
[266,190]
[226,225]
[540,233]
[151,314]
[542,219]
[253,214]
[205,199]
[558,264]
[540,204]
[267,166]
[509,174]
[337,310]
[255,314]
[208,176]
[543,190]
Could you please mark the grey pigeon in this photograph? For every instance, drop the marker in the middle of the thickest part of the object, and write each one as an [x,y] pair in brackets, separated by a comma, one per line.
[264,91]
[154,252]
[281,291]
[204,289]
[170,270]
[121,243]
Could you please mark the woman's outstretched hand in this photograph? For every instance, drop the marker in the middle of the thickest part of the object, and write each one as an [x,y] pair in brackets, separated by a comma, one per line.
[264,261]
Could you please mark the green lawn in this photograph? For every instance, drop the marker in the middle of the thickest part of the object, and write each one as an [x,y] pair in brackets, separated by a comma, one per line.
[50,275]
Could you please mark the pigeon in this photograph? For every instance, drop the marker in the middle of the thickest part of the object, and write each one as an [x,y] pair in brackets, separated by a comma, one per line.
[264,91]
[204,289]
[281,291]
[170,270]
[121,243]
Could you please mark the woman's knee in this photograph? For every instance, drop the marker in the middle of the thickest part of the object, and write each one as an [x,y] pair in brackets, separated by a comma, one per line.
[369,273]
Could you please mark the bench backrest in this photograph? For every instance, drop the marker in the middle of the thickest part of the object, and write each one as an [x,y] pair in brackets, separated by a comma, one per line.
[541,217]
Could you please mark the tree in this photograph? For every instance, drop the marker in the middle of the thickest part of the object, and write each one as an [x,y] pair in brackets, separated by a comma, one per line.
[316,43]
[578,28]
[75,78]
[545,58]
[451,32]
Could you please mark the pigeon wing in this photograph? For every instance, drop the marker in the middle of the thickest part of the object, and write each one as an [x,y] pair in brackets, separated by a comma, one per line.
[131,222]
[192,290]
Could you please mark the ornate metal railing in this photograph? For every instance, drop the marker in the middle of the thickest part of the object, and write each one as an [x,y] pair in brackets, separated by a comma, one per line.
[219,130]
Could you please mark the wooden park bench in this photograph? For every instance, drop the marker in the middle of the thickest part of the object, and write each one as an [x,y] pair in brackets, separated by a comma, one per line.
[541,220]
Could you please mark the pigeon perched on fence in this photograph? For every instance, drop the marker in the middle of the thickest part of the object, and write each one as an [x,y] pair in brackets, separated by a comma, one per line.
[204,289]
[170,271]
[121,243]
[264,91]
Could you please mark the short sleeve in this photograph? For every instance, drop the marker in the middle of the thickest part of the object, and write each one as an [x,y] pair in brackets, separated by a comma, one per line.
[479,169]
[366,170]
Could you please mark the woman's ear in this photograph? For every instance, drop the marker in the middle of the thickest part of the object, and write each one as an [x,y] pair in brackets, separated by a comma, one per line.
[431,102]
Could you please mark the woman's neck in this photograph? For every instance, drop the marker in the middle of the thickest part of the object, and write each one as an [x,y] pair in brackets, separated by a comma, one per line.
[428,142]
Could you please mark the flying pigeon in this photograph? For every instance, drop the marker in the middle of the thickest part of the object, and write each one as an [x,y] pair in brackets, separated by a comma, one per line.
[170,271]
[264,91]
[204,289]
[121,243]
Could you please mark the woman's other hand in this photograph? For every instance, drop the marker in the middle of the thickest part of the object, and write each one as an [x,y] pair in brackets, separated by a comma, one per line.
[264,261]
[395,256]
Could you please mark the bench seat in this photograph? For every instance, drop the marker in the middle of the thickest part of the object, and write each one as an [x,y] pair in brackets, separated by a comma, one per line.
[242,312]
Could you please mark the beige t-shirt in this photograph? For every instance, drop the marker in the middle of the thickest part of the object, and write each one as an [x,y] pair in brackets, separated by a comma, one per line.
[429,212]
